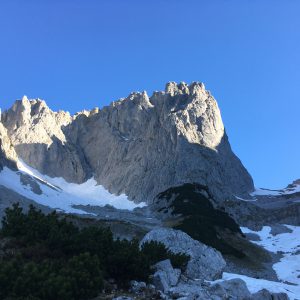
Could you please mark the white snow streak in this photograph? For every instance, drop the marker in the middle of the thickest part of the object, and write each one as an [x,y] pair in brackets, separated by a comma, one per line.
[63,195]
[266,192]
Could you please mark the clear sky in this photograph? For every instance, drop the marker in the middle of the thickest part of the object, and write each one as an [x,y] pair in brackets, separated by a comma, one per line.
[79,54]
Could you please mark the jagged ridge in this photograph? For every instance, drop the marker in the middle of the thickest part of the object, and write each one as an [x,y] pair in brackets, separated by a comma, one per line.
[139,146]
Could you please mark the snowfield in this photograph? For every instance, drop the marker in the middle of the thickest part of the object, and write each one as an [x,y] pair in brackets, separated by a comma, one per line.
[60,194]
[254,285]
[287,269]
[286,191]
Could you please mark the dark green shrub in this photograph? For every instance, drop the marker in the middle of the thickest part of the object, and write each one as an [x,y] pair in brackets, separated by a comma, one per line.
[78,278]
[53,259]
[156,251]
[200,219]
[127,262]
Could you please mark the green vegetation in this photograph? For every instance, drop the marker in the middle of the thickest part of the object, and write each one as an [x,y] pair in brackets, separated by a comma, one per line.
[47,257]
[200,219]
[156,251]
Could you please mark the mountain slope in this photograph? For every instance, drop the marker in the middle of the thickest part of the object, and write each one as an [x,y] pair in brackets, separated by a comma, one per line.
[138,146]
[58,194]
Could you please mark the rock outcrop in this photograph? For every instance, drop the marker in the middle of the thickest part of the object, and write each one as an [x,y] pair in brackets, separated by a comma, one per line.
[8,156]
[205,262]
[266,295]
[165,276]
[37,135]
[231,289]
[139,146]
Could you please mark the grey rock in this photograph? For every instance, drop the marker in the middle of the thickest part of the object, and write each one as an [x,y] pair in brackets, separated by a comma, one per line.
[205,262]
[266,295]
[137,287]
[189,291]
[252,236]
[122,298]
[231,289]
[36,133]
[160,281]
[163,296]
[279,229]
[139,146]
[8,197]
[266,210]
[150,287]
[31,182]
[8,156]
[165,276]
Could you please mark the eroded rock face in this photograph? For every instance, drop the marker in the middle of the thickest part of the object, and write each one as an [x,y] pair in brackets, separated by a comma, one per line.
[37,135]
[139,146]
[205,262]
[8,156]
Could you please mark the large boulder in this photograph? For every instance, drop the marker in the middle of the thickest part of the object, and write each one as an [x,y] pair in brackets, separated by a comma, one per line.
[235,289]
[205,262]
[266,295]
[189,291]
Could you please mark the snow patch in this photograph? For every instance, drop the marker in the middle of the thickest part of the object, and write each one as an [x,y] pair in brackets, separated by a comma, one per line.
[247,200]
[62,195]
[254,285]
[286,191]
[287,269]
[288,244]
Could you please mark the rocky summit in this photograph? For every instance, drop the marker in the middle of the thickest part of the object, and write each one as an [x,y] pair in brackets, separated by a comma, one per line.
[138,146]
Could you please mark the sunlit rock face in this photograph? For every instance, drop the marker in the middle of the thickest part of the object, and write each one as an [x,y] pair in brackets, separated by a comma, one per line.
[37,135]
[139,145]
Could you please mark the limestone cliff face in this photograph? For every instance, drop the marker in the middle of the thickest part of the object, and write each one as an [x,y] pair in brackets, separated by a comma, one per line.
[8,156]
[139,146]
[37,135]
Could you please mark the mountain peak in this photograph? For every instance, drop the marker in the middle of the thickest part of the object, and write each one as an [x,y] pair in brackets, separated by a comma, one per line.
[24,99]
[139,145]
[174,88]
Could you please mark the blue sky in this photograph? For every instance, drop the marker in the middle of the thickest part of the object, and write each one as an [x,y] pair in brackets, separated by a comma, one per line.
[79,54]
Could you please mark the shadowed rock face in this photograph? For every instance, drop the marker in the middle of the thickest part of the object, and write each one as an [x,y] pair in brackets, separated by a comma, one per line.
[139,146]
[8,156]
